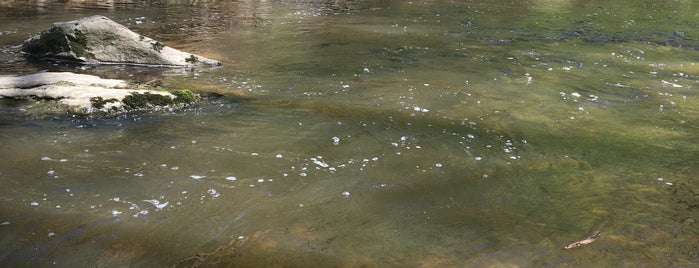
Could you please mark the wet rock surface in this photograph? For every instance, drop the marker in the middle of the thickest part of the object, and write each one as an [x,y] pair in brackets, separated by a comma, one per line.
[99,40]
[89,94]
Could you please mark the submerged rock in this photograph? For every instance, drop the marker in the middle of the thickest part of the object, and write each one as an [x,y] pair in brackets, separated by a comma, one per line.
[99,40]
[87,94]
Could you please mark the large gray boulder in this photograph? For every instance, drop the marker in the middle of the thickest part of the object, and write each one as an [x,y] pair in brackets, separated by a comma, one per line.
[99,40]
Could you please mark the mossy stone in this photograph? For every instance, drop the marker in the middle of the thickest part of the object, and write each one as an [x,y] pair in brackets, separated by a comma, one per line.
[137,100]
[183,96]
[99,102]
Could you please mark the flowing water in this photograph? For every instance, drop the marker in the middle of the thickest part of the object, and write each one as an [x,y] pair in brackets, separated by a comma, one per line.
[368,133]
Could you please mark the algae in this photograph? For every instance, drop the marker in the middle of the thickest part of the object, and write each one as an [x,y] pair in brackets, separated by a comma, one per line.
[192,59]
[157,46]
[183,96]
[78,44]
[99,102]
[137,100]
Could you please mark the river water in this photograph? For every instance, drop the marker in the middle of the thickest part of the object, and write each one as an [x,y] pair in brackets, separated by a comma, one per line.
[368,133]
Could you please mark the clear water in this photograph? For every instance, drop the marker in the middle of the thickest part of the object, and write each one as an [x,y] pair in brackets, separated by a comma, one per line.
[369,133]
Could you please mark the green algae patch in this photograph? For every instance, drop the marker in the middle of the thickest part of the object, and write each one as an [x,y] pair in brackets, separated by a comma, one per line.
[183,96]
[191,59]
[99,102]
[144,100]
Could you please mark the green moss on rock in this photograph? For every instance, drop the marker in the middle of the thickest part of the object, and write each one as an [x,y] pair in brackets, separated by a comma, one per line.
[183,96]
[191,59]
[99,102]
[138,101]
[78,44]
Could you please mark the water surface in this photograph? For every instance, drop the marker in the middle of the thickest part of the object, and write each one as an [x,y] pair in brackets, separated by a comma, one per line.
[369,133]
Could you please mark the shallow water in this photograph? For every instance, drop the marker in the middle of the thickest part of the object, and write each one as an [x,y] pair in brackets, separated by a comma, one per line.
[369,133]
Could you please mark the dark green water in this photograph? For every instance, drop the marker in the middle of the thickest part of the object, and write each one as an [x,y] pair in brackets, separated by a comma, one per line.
[369,133]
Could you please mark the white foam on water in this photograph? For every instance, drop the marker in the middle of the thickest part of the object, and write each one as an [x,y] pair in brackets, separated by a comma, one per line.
[34,204]
[45,158]
[231,178]
[319,163]
[197,177]
[346,194]
[213,193]
[5,223]
[157,203]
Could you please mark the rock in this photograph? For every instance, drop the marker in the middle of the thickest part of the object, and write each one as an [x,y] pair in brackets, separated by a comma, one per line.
[99,40]
[87,94]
